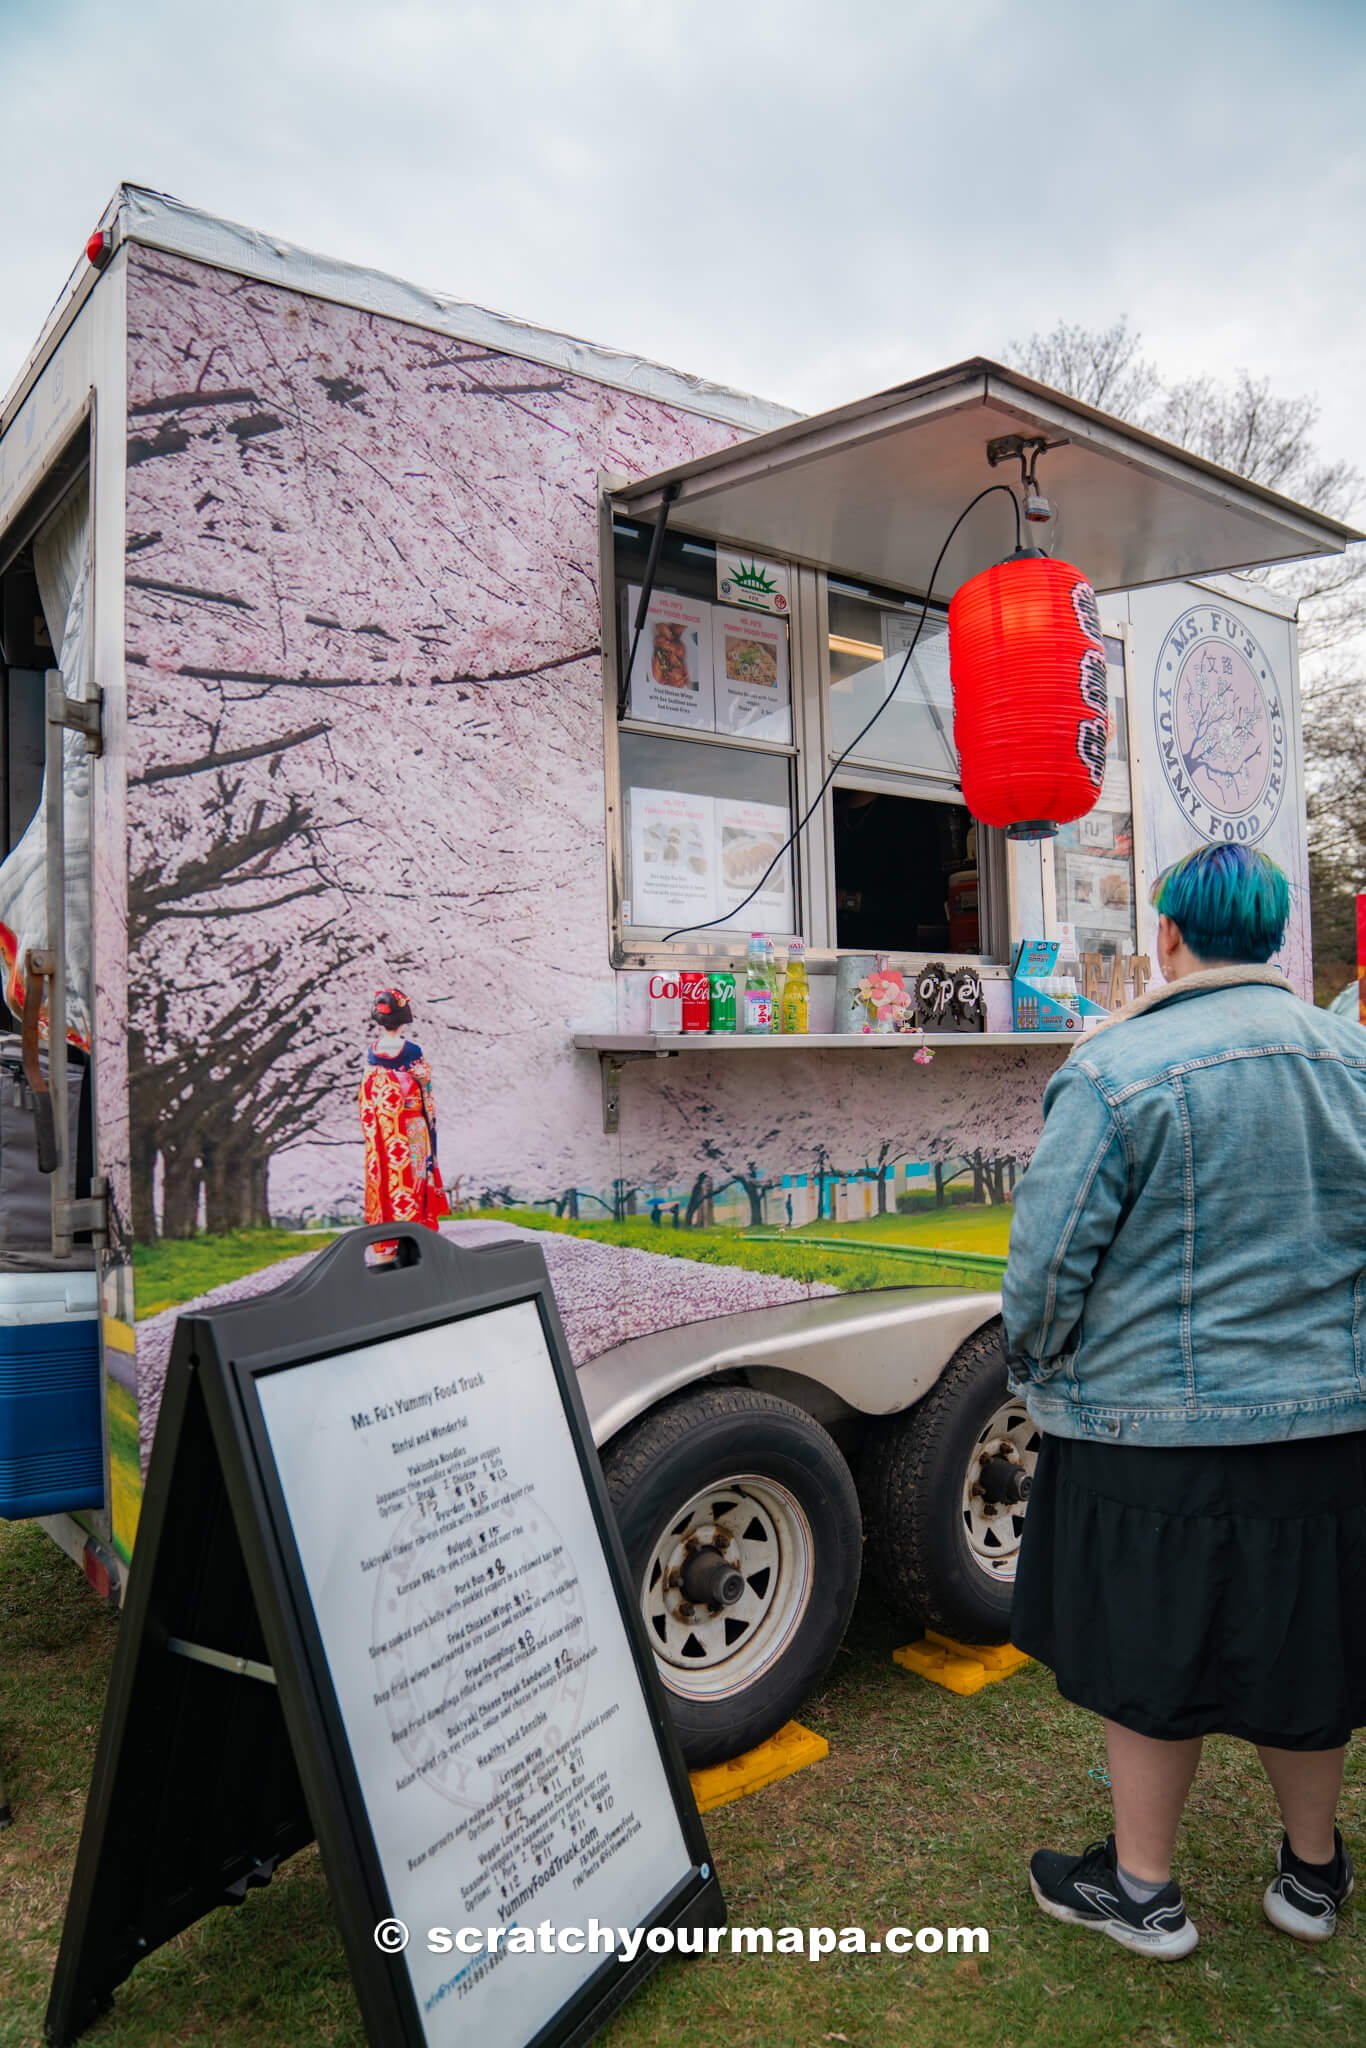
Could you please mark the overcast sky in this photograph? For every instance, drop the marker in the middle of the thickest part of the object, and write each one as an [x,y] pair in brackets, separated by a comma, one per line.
[806,200]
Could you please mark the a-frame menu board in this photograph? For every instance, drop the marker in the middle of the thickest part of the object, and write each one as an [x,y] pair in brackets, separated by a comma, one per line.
[378,1597]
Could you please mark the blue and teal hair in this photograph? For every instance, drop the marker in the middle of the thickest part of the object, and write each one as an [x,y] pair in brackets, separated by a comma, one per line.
[1228,902]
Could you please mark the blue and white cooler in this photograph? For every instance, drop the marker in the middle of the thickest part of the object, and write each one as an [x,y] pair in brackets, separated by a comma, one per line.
[51,1426]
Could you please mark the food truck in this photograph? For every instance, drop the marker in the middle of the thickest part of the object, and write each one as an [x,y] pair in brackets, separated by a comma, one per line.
[356,639]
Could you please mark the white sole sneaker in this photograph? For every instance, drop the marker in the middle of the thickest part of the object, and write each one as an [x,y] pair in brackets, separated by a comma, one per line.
[1162,1945]
[1286,1915]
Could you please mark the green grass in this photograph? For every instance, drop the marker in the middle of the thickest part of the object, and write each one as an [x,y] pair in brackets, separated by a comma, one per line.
[963,1229]
[783,1253]
[923,1813]
[171,1270]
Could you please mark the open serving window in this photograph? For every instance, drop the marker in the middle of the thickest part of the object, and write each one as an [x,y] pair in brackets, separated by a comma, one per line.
[786,579]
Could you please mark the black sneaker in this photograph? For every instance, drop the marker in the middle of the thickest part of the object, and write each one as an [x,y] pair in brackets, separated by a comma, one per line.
[1300,1901]
[1086,1892]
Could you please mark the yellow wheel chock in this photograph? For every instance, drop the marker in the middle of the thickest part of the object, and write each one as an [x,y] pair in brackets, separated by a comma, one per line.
[785,1753]
[959,1667]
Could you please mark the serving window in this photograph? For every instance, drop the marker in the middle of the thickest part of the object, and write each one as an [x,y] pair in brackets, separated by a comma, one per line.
[868,640]
[747,681]
[912,872]
[706,757]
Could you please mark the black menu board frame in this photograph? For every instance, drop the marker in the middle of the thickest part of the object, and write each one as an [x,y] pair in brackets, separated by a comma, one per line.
[224,1747]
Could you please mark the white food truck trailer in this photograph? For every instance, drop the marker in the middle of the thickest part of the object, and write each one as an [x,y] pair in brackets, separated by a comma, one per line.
[318,594]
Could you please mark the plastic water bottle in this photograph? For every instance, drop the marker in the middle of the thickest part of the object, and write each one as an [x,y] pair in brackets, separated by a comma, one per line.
[758,986]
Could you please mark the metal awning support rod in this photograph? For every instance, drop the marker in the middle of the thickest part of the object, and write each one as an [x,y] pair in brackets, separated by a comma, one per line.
[667,496]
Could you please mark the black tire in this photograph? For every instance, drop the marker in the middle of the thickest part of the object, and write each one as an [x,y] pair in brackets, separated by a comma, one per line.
[920,1546]
[797,1606]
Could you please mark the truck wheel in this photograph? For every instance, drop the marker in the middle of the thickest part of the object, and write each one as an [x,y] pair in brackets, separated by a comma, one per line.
[740,1522]
[944,1490]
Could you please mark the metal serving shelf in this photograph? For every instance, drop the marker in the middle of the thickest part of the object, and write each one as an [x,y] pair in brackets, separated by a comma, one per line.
[614,1048]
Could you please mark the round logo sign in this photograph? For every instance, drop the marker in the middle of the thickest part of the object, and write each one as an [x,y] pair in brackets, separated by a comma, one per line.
[1221,731]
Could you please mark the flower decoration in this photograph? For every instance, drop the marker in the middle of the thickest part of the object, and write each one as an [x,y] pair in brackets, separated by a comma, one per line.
[885,997]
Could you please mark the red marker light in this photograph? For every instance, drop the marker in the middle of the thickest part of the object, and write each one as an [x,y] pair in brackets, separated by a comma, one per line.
[100,247]
[96,1571]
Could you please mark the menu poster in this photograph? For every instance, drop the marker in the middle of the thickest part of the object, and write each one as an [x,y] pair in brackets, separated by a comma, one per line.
[753,694]
[673,857]
[1095,893]
[502,1741]
[671,676]
[695,859]
[751,837]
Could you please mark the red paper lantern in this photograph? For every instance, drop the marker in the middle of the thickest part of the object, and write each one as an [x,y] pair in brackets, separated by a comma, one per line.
[1027,662]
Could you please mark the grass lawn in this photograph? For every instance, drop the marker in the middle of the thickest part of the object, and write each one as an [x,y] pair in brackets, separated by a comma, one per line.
[922,1814]
[785,1252]
[976,1229]
[171,1270]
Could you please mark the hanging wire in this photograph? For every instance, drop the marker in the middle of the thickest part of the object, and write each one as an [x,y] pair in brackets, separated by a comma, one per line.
[727,916]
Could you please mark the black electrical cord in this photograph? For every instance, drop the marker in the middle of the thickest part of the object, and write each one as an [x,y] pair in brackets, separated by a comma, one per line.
[802,822]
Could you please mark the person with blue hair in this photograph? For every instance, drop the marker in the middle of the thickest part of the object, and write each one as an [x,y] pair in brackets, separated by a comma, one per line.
[1185,1311]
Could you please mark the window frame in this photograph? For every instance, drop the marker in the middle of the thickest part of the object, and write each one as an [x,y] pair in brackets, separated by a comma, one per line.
[812,753]
[1140,877]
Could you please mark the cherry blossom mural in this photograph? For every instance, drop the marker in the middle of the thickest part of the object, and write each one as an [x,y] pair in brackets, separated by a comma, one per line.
[365,750]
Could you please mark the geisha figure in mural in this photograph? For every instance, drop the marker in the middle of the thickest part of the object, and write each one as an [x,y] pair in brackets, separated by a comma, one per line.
[398,1119]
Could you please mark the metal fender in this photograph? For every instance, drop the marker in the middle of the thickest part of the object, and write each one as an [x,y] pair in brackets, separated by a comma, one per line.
[876,1352]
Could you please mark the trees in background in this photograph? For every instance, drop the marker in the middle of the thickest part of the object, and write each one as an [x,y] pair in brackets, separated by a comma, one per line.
[232,1051]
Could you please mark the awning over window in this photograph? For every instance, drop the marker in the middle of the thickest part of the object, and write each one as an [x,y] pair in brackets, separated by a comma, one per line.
[871,489]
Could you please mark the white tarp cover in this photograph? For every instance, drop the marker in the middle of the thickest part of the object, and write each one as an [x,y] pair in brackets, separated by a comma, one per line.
[61,562]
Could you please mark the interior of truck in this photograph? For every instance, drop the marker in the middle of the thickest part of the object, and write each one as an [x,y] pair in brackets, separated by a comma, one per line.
[25,653]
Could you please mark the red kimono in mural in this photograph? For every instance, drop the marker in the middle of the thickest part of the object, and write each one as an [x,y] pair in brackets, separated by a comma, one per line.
[398,1120]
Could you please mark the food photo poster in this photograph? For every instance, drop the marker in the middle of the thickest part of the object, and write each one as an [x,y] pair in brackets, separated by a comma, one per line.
[696,858]
[671,676]
[709,668]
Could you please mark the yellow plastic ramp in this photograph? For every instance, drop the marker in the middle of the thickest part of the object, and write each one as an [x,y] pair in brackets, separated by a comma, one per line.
[785,1753]
[959,1667]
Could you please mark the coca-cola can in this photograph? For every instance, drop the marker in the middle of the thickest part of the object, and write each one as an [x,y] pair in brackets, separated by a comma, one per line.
[666,1003]
[696,988]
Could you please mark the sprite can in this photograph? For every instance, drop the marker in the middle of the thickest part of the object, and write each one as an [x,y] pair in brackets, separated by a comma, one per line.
[722,988]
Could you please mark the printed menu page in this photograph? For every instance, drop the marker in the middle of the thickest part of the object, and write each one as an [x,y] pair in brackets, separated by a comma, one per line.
[750,837]
[671,676]
[495,1715]
[695,858]
[753,696]
[673,857]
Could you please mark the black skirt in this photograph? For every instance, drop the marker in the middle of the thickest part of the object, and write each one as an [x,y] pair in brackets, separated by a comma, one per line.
[1202,1590]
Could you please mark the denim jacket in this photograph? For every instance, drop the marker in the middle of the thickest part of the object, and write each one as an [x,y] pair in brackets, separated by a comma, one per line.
[1188,1253]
